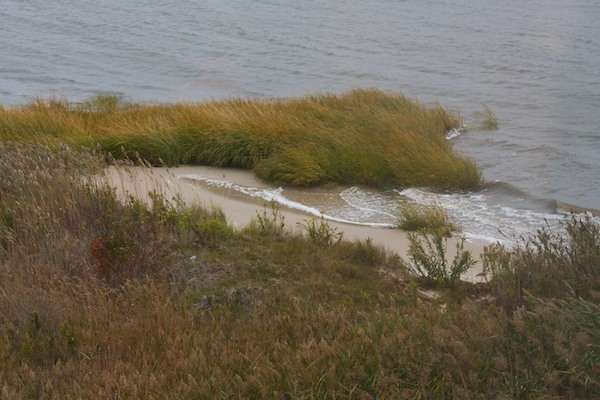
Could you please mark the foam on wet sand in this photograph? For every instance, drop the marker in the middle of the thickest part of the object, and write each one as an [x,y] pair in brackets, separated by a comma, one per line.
[240,208]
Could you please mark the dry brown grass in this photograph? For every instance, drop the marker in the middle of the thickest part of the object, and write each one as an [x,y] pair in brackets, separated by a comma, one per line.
[258,313]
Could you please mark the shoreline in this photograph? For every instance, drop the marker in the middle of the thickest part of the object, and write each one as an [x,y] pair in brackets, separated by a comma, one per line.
[241,209]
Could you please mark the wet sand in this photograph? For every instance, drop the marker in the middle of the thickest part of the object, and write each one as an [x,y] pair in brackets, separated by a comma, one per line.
[240,208]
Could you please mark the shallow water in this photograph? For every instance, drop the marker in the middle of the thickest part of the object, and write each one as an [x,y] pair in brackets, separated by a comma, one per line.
[480,215]
[534,63]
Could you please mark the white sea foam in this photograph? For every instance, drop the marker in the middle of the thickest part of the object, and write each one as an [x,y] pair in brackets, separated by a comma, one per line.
[275,195]
[370,203]
[480,217]
[456,132]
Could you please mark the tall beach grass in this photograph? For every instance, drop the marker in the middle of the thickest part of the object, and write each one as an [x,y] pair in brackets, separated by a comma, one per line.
[486,120]
[360,137]
[432,218]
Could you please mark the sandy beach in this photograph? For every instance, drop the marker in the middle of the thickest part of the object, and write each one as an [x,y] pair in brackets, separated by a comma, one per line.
[240,208]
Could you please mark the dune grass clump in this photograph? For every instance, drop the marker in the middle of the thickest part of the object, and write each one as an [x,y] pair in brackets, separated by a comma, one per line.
[360,137]
[320,232]
[107,298]
[548,265]
[426,218]
[268,223]
[486,120]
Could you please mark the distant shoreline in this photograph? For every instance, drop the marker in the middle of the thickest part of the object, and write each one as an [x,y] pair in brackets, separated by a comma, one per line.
[566,207]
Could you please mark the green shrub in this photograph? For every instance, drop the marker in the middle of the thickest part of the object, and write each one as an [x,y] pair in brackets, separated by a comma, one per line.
[320,232]
[428,260]
[268,224]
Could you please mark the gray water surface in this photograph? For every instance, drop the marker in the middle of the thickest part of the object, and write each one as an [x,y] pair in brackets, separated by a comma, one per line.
[535,63]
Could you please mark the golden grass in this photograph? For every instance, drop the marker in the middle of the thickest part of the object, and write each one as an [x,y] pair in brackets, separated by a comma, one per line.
[486,120]
[432,218]
[364,136]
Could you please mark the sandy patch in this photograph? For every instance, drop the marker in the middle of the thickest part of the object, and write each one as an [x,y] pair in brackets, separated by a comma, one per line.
[241,208]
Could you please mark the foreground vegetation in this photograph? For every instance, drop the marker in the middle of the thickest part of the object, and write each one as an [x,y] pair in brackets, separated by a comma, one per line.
[104,299]
[361,137]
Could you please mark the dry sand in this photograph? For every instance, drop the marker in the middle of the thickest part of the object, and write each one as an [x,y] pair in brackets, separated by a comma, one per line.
[240,209]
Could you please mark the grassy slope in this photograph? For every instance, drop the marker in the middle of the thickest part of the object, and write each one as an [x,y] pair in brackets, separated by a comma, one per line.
[100,299]
[361,137]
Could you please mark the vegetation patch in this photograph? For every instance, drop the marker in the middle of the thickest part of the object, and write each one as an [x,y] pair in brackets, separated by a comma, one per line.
[426,218]
[360,137]
[485,120]
[102,298]
[320,232]
[428,258]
